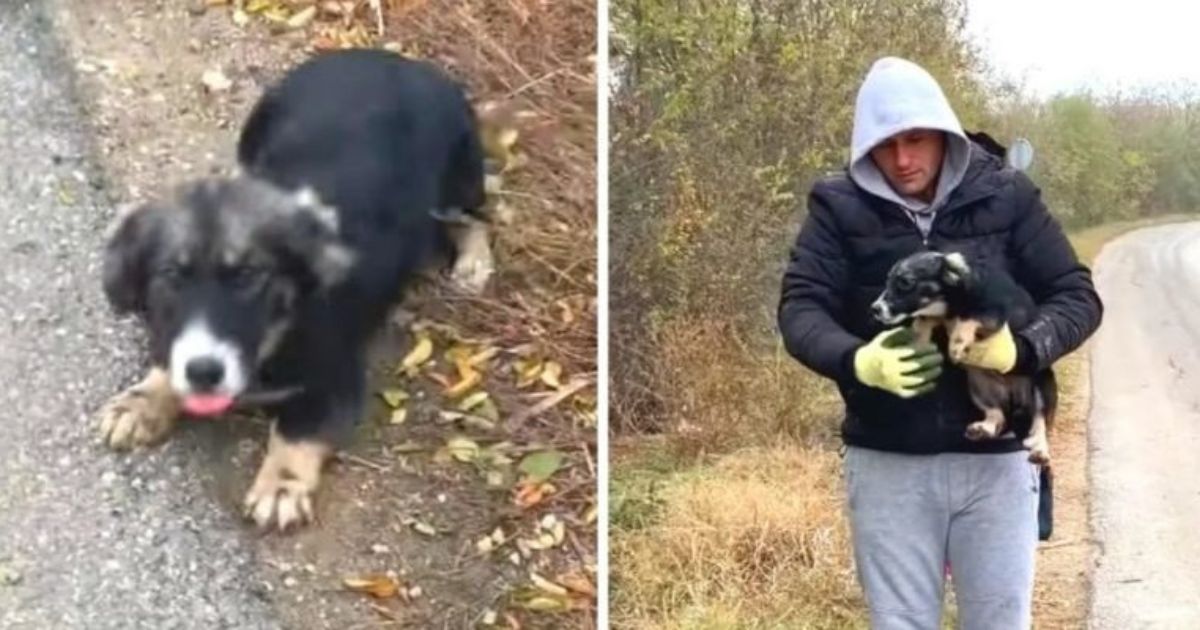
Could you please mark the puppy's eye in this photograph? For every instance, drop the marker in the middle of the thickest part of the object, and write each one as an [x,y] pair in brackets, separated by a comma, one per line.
[172,273]
[243,277]
[904,283]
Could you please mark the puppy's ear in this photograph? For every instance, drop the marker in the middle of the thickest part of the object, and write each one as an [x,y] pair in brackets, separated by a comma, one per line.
[126,258]
[310,235]
[955,269]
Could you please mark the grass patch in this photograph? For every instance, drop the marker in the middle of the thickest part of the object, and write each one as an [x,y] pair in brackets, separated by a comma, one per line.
[1089,241]
[753,539]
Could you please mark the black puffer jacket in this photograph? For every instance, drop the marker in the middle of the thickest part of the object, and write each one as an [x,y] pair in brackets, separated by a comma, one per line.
[849,241]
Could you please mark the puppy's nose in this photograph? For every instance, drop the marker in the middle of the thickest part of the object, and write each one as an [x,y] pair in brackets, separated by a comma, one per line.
[205,373]
[878,309]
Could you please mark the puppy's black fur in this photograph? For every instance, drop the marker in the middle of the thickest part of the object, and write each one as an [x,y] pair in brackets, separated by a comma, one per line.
[296,282]
[974,301]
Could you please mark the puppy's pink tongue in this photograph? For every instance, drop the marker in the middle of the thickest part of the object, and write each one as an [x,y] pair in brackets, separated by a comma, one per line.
[207,404]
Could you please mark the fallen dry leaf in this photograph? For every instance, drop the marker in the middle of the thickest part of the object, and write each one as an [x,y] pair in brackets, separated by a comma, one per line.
[463,449]
[302,18]
[531,494]
[377,586]
[468,379]
[528,371]
[578,583]
[474,400]
[398,416]
[421,352]
[421,527]
[551,374]
[546,585]
[394,396]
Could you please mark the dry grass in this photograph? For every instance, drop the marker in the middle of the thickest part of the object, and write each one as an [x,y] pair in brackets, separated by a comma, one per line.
[529,65]
[533,62]
[754,541]
[712,375]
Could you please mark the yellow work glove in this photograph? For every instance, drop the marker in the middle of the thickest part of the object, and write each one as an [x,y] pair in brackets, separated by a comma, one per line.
[998,352]
[893,362]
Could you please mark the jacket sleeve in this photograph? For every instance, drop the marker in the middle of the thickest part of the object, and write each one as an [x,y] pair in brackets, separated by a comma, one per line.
[811,303]
[1069,309]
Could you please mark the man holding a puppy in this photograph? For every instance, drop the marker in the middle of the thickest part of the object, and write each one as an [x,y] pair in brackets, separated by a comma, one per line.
[920,494]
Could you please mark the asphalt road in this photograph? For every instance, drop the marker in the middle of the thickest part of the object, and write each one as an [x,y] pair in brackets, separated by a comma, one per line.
[88,539]
[1145,432]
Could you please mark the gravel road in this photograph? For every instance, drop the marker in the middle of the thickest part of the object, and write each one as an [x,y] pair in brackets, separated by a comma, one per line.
[88,539]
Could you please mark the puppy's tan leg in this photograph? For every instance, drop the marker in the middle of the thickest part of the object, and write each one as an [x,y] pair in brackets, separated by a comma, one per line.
[475,263]
[923,327]
[962,335]
[142,415]
[290,473]
[1037,442]
[988,428]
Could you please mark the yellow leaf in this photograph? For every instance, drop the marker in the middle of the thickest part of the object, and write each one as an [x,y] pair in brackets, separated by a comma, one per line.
[473,401]
[399,415]
[302,18]
[528,371]
[463,449]
[377,586]
[545,604]
[551,374]
[470,378]
[420,353]
[394,397]
[483,356]
[258,6]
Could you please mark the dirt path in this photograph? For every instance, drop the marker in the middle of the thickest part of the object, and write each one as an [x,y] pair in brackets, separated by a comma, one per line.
[1145,432]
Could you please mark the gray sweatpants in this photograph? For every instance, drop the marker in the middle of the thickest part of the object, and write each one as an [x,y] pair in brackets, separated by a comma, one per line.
[910,515]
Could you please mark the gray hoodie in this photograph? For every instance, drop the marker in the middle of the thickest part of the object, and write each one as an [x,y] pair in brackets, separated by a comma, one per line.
[898,95]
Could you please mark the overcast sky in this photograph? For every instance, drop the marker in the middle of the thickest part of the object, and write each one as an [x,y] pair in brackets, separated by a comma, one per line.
[1062,45]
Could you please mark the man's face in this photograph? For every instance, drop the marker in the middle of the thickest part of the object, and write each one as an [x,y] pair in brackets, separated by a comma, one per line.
[911,161]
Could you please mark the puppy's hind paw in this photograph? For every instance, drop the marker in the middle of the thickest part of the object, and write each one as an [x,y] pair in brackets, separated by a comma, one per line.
[981,431]
[1039,449]
[471,273]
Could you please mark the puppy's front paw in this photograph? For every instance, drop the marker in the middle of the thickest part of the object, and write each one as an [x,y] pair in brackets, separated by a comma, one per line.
[282,494]
[982,430]
[279,501]
[142,415]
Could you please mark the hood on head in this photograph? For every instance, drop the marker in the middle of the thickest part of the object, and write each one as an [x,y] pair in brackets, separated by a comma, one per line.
[897,95]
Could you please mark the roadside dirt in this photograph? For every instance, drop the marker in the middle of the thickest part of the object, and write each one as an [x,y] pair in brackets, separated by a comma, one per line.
[1063,562]
[399,504]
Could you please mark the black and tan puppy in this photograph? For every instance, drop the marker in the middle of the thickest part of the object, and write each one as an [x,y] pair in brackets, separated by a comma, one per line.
[973,302]
[266,287]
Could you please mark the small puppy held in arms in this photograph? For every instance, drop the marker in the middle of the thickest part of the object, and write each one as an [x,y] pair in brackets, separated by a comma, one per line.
[266,287]
[972,302]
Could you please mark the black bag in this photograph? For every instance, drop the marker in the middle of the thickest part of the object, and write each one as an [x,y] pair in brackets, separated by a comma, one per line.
[1046,504]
